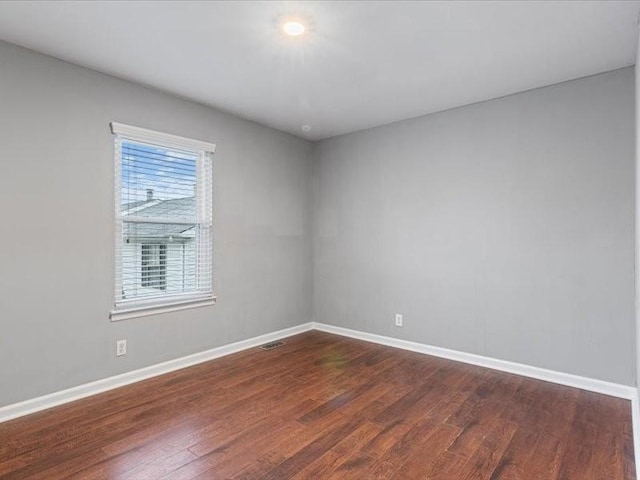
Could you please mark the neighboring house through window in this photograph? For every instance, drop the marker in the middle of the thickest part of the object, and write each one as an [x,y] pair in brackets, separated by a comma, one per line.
[163,222]
[154,265]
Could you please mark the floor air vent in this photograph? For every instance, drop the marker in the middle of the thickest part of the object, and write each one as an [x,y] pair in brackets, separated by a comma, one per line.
[272,345]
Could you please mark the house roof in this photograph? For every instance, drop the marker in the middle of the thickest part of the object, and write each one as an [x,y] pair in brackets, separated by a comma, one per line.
[183,208]
[178,208]
[158,230]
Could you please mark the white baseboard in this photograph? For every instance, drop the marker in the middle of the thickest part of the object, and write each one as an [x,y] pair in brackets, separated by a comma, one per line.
[64,396]
[75,393]
[567,379]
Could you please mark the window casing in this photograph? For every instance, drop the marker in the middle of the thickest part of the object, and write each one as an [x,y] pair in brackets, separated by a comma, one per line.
[163,212]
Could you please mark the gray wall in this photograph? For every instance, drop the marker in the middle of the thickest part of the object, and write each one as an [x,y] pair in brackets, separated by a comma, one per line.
[504,228]
[56,239]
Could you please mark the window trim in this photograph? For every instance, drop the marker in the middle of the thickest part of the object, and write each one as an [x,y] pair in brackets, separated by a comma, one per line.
[187,301]
[166,139]
[132,308]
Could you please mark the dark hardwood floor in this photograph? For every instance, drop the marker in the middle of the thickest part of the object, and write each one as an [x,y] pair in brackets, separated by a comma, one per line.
[327,407]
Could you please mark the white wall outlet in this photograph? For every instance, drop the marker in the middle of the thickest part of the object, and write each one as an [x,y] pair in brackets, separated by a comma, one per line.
[398,320]
[121,348]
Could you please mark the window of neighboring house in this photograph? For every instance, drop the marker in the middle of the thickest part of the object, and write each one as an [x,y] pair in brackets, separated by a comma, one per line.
[163,191]
[154,265]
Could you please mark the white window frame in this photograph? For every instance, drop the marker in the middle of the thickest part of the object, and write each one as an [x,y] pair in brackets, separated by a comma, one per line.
[123,308]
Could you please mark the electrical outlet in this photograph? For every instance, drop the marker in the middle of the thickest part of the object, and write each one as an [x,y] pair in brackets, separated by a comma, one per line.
[398,320]
[121,348]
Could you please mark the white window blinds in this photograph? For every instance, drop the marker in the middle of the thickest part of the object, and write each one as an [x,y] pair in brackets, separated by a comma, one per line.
[163,219]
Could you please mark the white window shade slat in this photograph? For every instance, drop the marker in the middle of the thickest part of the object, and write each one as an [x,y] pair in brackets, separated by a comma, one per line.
[164,195]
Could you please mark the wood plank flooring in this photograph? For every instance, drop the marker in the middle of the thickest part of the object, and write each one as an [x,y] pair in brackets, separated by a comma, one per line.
[327,407]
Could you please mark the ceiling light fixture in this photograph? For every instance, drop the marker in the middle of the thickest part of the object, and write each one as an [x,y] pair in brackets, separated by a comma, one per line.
[293,28]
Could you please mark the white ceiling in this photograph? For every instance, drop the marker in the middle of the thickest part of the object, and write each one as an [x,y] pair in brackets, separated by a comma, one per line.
[363,64]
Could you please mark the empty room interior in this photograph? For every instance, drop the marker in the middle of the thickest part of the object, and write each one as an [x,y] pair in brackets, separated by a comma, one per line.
[287,240]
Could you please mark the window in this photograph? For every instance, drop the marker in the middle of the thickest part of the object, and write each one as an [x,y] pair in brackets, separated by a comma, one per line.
[154,265]
[163,191]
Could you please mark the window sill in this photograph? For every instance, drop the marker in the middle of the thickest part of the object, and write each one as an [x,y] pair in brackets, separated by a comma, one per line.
[126,313]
